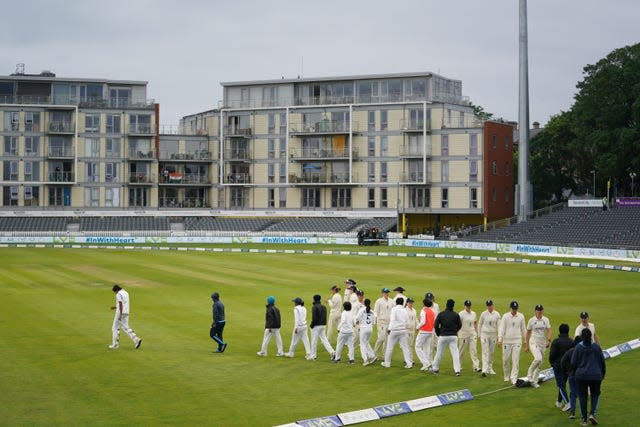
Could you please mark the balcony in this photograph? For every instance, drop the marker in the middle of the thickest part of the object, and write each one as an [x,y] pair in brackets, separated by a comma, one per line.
[140,178]
[178,178]
[414,125]
[192,157]
[321,177]
[61,126]
[413,178]
[237,178]
[321,153]
[237,154]
[59,177]
[186,202]
[409,151]
[135,154]
[235,131]
[323,127]
[141,129]
[61,152]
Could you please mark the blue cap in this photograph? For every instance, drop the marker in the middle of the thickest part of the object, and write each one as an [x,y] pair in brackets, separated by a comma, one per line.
[271,300]
[386,290]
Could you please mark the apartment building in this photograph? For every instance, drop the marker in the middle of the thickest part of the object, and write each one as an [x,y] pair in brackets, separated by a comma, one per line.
[405,142]
[77,143]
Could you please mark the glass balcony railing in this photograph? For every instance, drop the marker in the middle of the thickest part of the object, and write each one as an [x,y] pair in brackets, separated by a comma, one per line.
[61,152]
[141,129]
[59,176]
[237,178]
[62,126]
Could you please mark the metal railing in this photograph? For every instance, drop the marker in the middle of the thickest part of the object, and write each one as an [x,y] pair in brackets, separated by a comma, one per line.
[61,152]
[323,126]
[237,178]
[414,125]
[141,128]
[60,176]
[321,153]
[140,178]
[141,155]
[231,154]
[63,126]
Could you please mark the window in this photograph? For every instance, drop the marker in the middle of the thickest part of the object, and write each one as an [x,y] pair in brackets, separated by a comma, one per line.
[283,122]
[383,198]
[372,121]
[371,146]
[59,196]
[31,195]
[445,145]
[384,146]
[271,172]
[31,145]
[507,141]
[444,171]
[10,145]
[140,123]
[32,171]
[419,197]
[32,121]
[92,147]
[111,172]
[11,120]
[384,125]
[269,96]
[473,144]
[272,198]
[10,196]
[92,172]
[473,197]
[92,123]
[507,168]
[112,147]
[415,145]
[283,172]
[494,194]
[113,123]
[445,198]
[92,196]
[494,167]
[311,198]
[112,197]
[237,197]
[506,194]
[494,141]
[119,97]
[283,148]
[473,171]
[372,197]
[461,119]
[271,122]
[371,171]
[271,148]
[340,197]
[383,172]
[283,197]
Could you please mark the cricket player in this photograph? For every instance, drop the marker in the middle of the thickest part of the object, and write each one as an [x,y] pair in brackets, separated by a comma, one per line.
[447,325]
[468,335]
[121,319]
[335,310]
[345,334]
[425,334]
[511,331]
[299,329]
[398,328]
[382,310]
[318,328]
[585,324]
[537,340]
[365,321]
[488,328]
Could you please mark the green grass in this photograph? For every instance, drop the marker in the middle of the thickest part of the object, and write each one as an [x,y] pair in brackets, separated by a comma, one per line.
[56,325]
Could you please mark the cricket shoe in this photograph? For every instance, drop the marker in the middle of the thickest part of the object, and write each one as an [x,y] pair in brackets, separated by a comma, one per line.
[385,365]
[566,407]
[113,347]
[558,404]
[592,419]
[261,354]
[138,343]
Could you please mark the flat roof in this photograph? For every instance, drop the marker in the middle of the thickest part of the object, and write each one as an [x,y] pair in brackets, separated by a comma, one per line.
[39,78]
[336,78]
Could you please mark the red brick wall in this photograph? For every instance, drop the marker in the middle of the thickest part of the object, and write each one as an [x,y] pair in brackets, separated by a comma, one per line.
[498,185]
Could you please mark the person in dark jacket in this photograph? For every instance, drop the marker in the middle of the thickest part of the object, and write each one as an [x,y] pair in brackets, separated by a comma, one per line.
[590,369]
[447,325]
[271,328]
[559,347]
[319,328]
[570,375]
[217,326]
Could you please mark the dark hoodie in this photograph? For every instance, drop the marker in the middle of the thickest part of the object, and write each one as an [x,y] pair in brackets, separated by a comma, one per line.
[559,347]
[588,362]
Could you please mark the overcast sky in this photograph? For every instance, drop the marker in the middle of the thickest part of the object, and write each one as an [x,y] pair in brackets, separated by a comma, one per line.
[185,48]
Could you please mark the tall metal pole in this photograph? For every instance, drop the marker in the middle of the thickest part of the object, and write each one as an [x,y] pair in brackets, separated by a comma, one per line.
[523,118]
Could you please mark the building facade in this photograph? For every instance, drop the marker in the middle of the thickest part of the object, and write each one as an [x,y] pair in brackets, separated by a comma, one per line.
[77,143]
[404,144]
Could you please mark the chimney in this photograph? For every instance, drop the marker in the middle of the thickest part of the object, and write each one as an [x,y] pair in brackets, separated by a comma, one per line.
[536,125]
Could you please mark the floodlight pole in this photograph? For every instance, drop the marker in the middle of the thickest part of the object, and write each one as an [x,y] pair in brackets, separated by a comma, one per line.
[594,182]
[632,175]
[523,118]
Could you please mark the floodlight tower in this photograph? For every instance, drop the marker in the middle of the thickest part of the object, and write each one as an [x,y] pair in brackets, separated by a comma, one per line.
[523,119]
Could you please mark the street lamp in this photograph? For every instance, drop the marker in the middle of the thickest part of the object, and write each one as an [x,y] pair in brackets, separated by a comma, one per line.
[632,175]
[594,182]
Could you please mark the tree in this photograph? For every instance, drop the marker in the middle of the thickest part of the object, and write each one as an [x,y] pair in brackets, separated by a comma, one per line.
[479,112]
[601,132]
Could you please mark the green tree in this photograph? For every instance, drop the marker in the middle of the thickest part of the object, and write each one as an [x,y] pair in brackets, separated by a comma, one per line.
[600,132]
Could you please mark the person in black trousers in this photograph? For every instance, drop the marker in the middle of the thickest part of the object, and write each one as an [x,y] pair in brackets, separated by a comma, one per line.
[559,347]
[588,362]
[218,322]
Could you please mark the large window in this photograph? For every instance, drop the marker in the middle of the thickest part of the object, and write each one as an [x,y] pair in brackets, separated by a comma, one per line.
[473,197]
[11,120]
[10,145]
[384,146]
[31,146]
[473,171]
[419,197]
[445,198]
[32,171]
[383,198]
[32,121]
[112,147]
[92,123]
[371,146]
[114,123]
[311,197]
[92,172]
[340,197]
[271,172]
[111,172]
[372,198]
[271,148]
[92,147]
[92,196]
[119,97]
[271,198]
[138,197]
[140,123]
[383,172]
[237,197]
[445,145]
[444,170]
[371,171]
[473,144]
[384,125]
[372,121]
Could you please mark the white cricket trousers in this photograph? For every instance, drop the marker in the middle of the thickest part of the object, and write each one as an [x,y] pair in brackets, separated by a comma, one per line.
[511,361]
[121,322]
[320,332]
[471,343]
[297,335]
[334,321]
[423,348]
[537,351]
[450,341]
[365,344]
[488,345]
[342,340]
[381,339]
[268,333]
[402,338]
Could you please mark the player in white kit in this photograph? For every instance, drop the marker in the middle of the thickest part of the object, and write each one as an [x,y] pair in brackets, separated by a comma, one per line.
[488,329]
[335,310]
[511,331]
[299,329]
[537,340]
[382,310]
[121,319]
[468,335]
